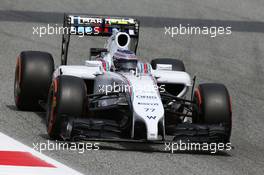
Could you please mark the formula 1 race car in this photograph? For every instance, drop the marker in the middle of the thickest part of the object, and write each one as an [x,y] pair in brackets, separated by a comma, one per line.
[115,96]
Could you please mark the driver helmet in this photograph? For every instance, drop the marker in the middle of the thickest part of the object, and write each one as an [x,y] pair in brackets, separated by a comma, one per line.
[125,60]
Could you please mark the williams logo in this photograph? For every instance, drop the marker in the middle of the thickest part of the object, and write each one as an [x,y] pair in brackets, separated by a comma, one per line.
[151,117]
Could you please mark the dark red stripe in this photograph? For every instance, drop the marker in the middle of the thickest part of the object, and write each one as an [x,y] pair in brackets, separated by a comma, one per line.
[145,68]
[103,63]
[19,158]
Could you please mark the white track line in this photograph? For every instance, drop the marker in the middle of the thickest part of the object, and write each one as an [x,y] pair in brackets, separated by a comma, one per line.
[19,159]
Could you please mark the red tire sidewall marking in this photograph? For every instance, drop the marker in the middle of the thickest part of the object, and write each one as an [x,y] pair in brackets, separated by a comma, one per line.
[199,97]
[18,68]
[52,117]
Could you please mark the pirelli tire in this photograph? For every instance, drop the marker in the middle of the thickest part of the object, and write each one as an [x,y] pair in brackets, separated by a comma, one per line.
[177,65]
[214,106]
[33,76]
[66,99]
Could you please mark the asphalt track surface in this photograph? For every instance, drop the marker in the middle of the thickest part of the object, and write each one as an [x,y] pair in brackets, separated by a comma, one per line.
[235,60]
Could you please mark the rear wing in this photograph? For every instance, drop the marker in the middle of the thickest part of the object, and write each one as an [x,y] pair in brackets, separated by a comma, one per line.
[100,26]
[83,25]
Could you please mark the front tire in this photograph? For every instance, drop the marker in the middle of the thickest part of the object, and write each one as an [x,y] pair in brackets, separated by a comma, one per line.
[214,106]
[66,99]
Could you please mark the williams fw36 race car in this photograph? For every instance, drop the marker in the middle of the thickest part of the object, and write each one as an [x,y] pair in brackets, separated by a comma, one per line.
[115,96]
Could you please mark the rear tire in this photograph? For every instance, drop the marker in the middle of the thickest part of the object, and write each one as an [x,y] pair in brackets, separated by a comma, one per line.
[66,99]
[33,77]
[177,65]
[214,106]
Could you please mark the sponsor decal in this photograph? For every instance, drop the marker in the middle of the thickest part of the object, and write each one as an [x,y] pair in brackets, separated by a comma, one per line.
[148,104]
[151,117]
[164,67]
[146,97]
[149,109]
[119,21]
[78,20]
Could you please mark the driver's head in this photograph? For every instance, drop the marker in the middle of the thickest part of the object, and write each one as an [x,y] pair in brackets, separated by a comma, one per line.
[125,60]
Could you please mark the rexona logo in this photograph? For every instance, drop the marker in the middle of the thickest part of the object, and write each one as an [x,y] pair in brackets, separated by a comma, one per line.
[119,21]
